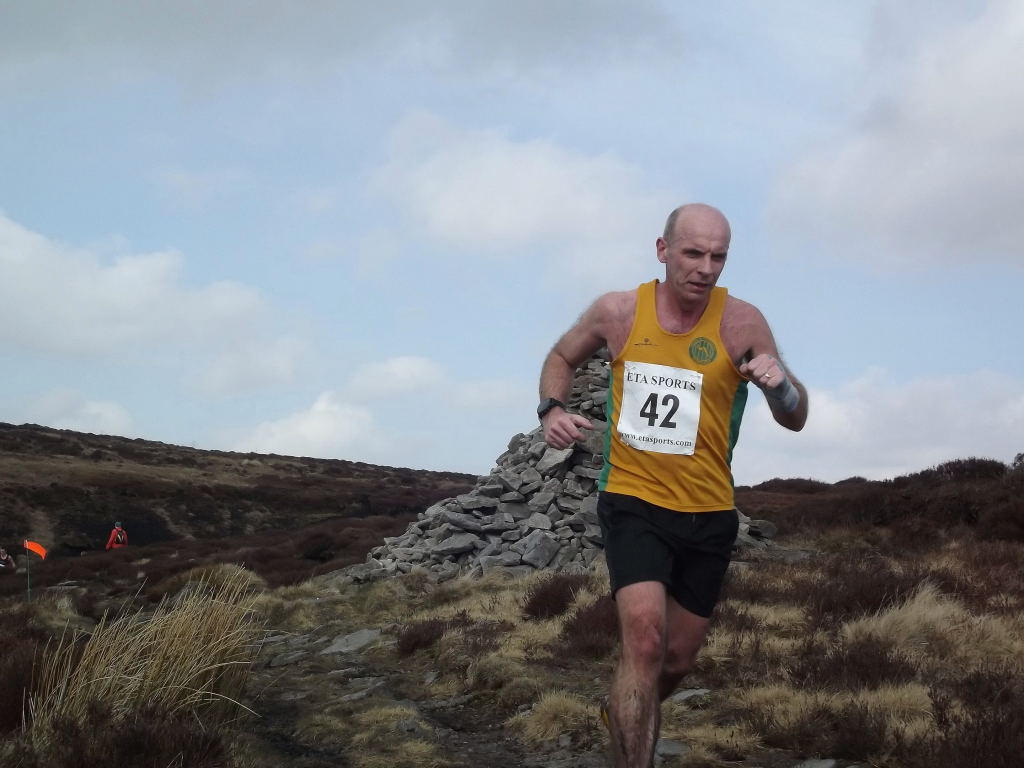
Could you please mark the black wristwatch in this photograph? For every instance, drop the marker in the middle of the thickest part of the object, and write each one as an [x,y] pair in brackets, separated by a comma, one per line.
[547,404]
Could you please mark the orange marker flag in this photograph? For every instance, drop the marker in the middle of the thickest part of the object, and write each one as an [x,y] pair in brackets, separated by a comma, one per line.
[33,546]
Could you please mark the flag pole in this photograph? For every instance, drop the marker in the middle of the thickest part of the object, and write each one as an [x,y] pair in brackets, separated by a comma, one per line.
[28,571]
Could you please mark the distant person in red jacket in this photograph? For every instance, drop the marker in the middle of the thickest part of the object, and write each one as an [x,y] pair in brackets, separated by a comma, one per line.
[118,537]
[7,565]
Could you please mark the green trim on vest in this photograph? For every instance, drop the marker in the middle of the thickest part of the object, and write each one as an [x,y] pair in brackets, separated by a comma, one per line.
[602,481]
[739,403]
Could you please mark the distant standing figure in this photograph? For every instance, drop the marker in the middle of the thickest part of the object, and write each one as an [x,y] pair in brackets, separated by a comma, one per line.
[7,565]
[118,537]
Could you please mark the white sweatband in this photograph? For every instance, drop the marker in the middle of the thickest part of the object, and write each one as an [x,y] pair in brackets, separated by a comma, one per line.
[785,394]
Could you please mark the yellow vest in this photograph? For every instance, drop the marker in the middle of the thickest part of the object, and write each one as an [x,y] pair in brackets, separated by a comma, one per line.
[674,409]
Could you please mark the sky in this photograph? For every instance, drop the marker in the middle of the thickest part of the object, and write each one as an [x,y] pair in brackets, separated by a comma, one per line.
[352,230]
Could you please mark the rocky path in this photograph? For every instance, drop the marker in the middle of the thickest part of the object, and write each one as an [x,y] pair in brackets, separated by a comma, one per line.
[299,678]
[299,675]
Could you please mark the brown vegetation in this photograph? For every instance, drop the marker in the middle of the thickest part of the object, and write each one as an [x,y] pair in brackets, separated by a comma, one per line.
[898,641]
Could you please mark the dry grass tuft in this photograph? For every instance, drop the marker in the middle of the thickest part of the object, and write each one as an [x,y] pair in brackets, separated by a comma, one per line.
[513,682]
[380,738]
[558,712]
[934,629]
[210,578]
[284,613]
[727,742]
[189,658]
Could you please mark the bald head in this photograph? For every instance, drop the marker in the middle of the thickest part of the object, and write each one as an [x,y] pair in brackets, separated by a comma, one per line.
[696,217]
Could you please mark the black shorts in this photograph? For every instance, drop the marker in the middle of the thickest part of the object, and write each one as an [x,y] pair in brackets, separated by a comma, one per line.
[688,552]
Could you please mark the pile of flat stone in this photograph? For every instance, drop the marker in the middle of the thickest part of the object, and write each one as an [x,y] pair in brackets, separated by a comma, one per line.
[536,509]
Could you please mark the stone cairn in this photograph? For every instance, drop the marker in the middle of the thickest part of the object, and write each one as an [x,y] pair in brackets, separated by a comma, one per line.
[536,509]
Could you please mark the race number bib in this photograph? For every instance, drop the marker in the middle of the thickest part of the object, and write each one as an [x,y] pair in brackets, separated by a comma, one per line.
[660,408]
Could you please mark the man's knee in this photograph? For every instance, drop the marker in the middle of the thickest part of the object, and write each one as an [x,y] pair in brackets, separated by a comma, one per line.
[643,636]
[679,659]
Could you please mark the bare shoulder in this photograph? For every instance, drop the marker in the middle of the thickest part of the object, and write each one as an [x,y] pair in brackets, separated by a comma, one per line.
[617,310]
[744,328]
[738,310]
[616,306]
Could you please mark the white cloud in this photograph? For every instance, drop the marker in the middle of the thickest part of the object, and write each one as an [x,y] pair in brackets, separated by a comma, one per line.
[394,376]
[932,172]
[70,302]
[68,409]
[481,192]
[877,427]
[404,411]
[253,364]
[330,428]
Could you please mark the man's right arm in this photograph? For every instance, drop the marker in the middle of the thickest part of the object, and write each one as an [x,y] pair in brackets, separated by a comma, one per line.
[588,335]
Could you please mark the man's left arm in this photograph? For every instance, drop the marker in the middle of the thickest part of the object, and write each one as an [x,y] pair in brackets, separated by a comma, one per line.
[786,396]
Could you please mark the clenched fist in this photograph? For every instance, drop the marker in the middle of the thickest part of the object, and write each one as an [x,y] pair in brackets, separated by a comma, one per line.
[562,429]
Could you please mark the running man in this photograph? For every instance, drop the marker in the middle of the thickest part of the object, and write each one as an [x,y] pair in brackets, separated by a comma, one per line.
[682,353]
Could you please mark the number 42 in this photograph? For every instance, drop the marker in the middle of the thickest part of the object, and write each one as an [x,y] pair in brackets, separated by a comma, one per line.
[650,410]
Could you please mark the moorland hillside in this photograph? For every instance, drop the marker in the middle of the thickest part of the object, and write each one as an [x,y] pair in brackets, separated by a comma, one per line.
[882,626]
[65,488]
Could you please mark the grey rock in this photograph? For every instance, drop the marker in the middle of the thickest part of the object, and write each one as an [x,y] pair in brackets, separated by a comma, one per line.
[459,520]
[762,529]
[670,748]
[510,480]
[517,511]
[541,501]
[284,659]
[352,642]
[818,763]
[374,684]
[530,475]
[552,459]
[594,441]
[492,489]
[454,545]
[692,693]
[504,560]
[538,520]
[744,539]
[541,552]
[470,501]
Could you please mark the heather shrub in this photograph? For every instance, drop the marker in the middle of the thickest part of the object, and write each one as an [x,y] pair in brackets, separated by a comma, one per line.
[863,662]
[553,595]
[792,485]
[853,585]
[1003,521]
[19,652]
[145,738]
[590,632]
[423,634]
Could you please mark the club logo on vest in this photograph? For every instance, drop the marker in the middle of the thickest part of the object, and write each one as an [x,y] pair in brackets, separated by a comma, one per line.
[703,350]
[645,343]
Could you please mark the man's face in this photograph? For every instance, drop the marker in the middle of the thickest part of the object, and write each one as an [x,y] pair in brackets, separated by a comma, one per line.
[695,256]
